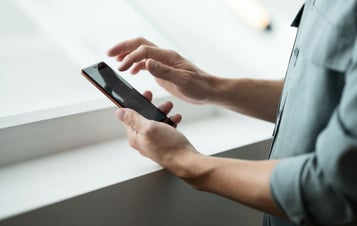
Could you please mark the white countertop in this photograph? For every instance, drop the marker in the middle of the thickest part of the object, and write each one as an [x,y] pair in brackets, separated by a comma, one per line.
[42,181]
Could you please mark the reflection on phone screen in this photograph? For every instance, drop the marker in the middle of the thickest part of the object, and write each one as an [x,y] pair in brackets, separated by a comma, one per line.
[122,92]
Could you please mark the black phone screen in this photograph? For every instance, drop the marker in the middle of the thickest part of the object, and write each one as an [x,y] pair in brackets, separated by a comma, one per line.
[122,93]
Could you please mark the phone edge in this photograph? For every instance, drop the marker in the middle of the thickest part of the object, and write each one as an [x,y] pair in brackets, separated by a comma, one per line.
[166,120]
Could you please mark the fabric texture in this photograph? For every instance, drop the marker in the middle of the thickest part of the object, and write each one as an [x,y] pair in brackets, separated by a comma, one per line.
[315,137]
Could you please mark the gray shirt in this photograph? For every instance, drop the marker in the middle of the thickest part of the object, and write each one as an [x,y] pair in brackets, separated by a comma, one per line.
[316,127]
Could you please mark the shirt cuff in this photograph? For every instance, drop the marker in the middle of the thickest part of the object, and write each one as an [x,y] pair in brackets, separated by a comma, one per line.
[286,187]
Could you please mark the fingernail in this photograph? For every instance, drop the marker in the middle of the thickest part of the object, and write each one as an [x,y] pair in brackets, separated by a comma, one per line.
[120,114]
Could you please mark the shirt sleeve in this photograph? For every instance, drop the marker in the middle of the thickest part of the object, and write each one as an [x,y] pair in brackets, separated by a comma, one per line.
[320,188]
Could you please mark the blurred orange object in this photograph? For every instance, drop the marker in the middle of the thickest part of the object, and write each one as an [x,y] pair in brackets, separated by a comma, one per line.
[252,12]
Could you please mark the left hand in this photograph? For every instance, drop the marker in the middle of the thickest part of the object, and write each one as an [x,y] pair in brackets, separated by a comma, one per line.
[156,140]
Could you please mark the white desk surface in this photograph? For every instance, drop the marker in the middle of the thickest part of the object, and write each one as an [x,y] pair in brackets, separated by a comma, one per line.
[39,182]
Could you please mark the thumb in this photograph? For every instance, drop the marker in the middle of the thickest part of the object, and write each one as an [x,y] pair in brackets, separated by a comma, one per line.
[162,71]
[130,118]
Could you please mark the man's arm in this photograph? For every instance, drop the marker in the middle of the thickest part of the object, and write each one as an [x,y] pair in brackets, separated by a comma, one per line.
[247,182]
[257,98]
[244,181]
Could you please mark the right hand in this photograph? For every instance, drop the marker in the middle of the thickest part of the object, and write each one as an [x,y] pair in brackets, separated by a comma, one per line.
[171,71]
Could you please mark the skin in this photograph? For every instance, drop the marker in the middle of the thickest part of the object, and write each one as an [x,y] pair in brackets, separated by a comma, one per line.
[247,182]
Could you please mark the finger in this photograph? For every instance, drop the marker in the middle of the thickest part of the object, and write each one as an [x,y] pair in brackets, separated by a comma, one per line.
[148,95]
[145,52]
[138,67]
[176,118]
[166,107]
[163,71]
[128,46]
[132,136]
[131,133]
[120,57]
[131,118]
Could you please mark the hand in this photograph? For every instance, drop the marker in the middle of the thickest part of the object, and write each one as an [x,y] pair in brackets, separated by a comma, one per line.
[247,182]
[158,141]
[165,108]
[174,73]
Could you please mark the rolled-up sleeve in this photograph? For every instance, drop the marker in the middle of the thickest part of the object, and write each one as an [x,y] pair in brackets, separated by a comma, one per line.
[320,188]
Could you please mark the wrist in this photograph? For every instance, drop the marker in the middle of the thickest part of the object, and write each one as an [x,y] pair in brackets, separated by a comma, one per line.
[221,90]
[215,85]
[182,165]
[193,167]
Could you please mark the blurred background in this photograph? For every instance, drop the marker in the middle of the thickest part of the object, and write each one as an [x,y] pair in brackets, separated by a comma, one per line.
[45,43]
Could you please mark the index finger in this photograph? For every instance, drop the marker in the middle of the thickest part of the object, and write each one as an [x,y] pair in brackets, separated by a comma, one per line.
[128,46]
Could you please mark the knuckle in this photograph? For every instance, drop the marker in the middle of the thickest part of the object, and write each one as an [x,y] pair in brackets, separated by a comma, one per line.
[143,41]
[184,79]
[140,40]
[144,51]
[129,119]
[174,54]
[144,48]
[164,70]
[190,74]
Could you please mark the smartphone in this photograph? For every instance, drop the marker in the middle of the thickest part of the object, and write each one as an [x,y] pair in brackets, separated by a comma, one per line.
[121,93]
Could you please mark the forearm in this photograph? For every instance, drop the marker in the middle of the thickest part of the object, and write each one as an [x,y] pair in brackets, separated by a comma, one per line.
[256,98]
[247,182]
